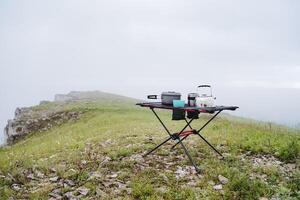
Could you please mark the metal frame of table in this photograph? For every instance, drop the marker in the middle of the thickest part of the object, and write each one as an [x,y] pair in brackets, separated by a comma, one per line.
[182,135]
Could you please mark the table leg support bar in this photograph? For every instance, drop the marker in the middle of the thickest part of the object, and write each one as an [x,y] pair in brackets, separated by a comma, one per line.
[189,156]
[176,136]
[198,133]
[161,122]
[158,146]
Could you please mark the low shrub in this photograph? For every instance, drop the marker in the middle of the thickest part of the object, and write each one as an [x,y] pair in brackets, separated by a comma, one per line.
[290,152]
[142,190]
[245,188]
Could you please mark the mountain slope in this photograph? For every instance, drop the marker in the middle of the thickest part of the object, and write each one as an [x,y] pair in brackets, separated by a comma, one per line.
[66,107]
[99,156]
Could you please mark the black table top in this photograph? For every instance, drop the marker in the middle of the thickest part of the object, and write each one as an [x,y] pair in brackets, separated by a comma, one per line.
[187,108]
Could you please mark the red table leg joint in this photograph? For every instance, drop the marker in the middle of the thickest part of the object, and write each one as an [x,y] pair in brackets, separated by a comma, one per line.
[187,133]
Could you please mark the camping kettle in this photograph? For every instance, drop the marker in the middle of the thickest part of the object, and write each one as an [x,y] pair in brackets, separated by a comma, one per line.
[205,98]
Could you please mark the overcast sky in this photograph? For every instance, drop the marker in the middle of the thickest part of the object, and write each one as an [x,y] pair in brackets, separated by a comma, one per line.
[138,47]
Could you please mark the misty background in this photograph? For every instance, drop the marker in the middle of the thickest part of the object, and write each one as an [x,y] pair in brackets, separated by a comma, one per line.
[249,51]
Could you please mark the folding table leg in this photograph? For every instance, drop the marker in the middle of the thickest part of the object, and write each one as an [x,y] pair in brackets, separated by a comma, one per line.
[158,146]
[161,122]
[188,123]
[166,131]
[189,156]
[210,145]
[184,136]
[198,133]
[174,136]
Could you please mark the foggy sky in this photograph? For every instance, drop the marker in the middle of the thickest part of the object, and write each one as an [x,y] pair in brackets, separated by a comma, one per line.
[136,47]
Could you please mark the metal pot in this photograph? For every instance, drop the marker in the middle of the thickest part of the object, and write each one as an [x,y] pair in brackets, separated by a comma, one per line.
[168,97]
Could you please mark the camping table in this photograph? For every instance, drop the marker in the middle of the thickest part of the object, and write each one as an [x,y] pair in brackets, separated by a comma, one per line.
[183,134]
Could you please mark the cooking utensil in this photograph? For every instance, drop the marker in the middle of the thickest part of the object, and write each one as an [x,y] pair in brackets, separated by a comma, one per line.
[205,99]
[192,99]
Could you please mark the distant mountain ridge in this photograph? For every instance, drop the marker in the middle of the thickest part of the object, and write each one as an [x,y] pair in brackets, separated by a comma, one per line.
[90,95]
[48,114]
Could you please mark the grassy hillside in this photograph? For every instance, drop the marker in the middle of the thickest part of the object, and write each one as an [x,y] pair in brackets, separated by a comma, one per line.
[100,157]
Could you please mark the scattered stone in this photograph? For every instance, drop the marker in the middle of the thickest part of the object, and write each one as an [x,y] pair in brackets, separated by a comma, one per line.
[218,187]
[162,189]
[70,196]
[83,190]
[187,170]
[166,179]
[39,174]
[56,194]
[16,187]
[128,190]
[54,179]
[113,175]
[291,166]
[31,176]
[100,193]
[71,172]
[105,160]
[211,183]
[94,175]
[223,179]
[226,155]
[192,183]
[180,173]
[83,162]
[137,157]
[107,143]
[262,177]
[53,170]
[269,161]
[121,185]
[69,182]
[107,184]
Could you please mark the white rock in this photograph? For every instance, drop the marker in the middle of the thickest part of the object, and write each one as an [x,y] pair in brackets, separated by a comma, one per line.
[162,189]
[53,170]
[53,179]
[83,190]
[70,196]
[95,175]
[100,193]
[211,183]
[16,187]
[180,173]
[70,182]
[291,166]
[31,176]
[138,158]
[218,187]
[56,194]
[223,179]
[113,175]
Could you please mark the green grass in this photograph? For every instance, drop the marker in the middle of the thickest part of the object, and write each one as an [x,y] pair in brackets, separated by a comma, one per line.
[128,129]
[290,152]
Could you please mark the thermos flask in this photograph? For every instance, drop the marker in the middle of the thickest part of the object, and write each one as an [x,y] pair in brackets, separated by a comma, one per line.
[192,99]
